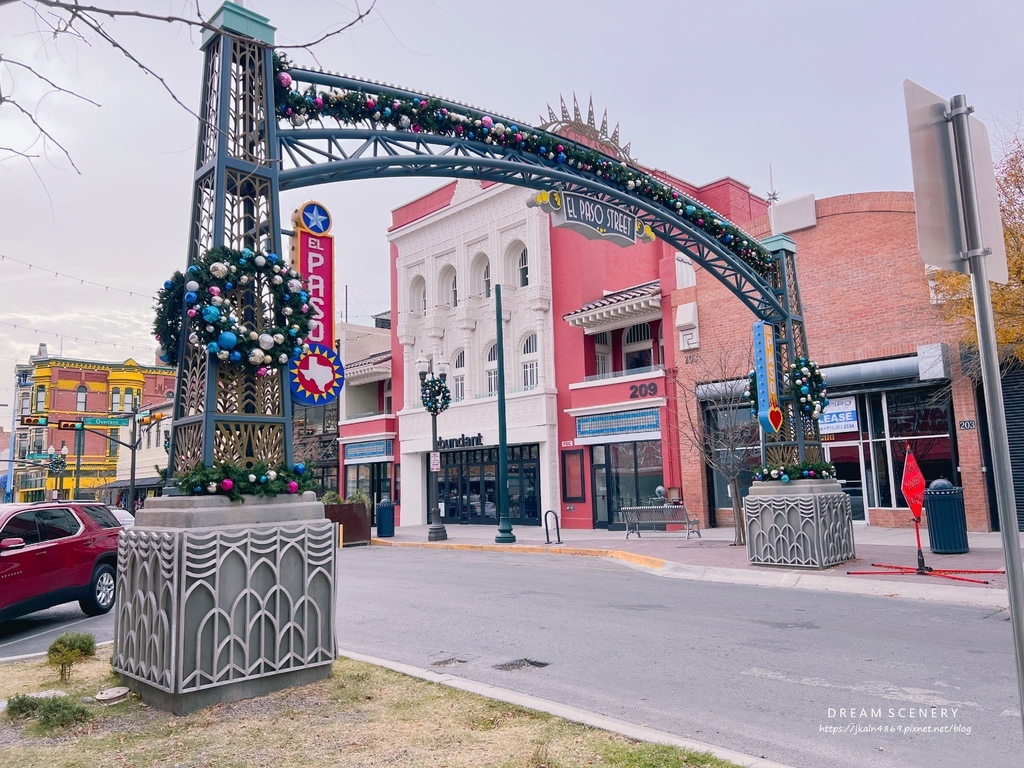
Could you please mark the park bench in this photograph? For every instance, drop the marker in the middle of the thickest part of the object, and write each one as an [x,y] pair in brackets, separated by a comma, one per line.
[660,515]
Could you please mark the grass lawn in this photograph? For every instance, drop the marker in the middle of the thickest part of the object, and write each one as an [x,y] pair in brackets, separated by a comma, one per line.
[363,716]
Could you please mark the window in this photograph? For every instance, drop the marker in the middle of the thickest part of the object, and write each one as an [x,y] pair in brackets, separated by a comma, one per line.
[423,299]
[22,526]
[572,476]
[387,396]
[602,354]
[40,399]
[531,368]
[81,398]
[487,280]
[418,296]
[102,517]
[492,370]
[459,377]
[524,269]
[112,449]
[26,404]
[149,437]
[115,400]
[455,291]
[129,398]
[636,347]
[57,524]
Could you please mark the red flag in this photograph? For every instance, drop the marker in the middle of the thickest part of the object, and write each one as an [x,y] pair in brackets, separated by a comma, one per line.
[913,484]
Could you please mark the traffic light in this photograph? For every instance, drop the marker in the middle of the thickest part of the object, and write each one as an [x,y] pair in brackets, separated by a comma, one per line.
[33,421]
[70,425]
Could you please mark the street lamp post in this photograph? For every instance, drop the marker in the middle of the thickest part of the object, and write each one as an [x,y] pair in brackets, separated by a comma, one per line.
[58,463]
[436,398]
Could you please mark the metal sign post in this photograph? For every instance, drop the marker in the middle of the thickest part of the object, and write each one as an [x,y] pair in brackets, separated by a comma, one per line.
[957,212]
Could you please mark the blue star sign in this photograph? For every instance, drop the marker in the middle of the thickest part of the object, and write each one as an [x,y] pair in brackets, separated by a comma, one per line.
[316,218]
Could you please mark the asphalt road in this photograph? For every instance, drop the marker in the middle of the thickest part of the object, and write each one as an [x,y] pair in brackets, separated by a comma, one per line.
[804,678]
[808,679]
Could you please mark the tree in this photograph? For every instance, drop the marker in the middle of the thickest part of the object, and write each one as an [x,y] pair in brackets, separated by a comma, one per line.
[715,419]
[954,289]
[23,86]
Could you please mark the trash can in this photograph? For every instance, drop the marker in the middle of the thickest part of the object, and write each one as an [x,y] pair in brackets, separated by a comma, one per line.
[947,521]
[386,519]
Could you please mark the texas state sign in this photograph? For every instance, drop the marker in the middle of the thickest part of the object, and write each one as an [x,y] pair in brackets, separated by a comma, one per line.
[316,377]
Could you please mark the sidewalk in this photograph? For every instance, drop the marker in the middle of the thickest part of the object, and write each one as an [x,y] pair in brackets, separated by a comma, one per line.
[712,558]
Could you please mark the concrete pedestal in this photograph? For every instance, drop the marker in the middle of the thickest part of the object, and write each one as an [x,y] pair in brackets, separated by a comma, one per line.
[803,523]
[220,601]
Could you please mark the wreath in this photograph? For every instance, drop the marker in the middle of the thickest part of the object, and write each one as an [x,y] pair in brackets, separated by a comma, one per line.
[808,387]
[435,395]
[234,332]
[809,470]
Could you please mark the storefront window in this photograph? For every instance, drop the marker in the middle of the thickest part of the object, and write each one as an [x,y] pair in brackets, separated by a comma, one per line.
[625,475]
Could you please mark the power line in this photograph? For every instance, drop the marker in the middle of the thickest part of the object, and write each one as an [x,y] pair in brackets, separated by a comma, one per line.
[80,339]
[80,280]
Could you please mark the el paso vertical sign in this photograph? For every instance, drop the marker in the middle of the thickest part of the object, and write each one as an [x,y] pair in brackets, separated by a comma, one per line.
[768,411]
[316,265]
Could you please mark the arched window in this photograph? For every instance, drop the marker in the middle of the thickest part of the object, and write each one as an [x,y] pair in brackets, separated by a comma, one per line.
[636,347]
[80,399]
[487,280]
[418,296]
[455,291]
[387,395]
[459,377]
[40,399]
[531,368]
[602,353]
[115,400]
[129,399]
[524,269]
[492,370]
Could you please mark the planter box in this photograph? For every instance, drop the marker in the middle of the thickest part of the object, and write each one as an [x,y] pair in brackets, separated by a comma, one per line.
[354,520]
[804,523]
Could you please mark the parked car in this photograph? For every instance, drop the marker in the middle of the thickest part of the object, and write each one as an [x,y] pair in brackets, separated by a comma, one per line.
[56,552]
[123,516]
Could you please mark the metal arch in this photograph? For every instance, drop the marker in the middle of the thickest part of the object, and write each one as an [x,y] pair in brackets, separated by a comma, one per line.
[321,155]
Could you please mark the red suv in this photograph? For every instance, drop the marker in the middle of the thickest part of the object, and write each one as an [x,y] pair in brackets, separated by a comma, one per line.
[55,552]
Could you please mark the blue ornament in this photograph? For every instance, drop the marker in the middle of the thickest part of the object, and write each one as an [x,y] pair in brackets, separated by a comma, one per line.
[824,403]
[728,239]
[469,135]
[784,478]
[263,478]
[304,296]
[228,285]
[514,129]
[235,356]
[387,111]
[543,150]
[292,332]
[297,353]
[227,340]
[806,473]
[272,258]
[690,210]
[197,489]
[300,468]
[211,314]
[246,253]
[191,297]
[560,157]
[804,389]
[168,285]
[213,347]
[287,297]
[193,269]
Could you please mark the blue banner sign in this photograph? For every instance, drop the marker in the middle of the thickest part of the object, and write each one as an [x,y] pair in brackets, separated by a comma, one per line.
[768,411]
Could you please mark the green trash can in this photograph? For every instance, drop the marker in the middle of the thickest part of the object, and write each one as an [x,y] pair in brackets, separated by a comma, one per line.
[386,519]
[947,520]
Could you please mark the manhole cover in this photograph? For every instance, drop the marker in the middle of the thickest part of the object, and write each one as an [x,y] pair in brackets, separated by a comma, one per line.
[520,664]
[448,662]
[110,695]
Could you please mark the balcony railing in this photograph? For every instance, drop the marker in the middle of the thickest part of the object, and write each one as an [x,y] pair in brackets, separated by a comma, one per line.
[367,414]
[630,372]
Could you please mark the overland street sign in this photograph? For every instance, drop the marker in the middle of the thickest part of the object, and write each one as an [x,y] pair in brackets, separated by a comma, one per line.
[104,421]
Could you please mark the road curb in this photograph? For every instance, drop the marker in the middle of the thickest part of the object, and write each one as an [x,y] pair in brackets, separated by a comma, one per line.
[787,579]
[566,712]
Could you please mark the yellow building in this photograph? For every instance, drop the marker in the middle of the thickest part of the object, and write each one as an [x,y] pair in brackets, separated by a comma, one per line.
[97,394]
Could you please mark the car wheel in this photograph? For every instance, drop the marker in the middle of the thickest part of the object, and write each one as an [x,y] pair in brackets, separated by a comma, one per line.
[101,592]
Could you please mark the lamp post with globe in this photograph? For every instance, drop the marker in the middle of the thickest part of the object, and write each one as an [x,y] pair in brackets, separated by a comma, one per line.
[436,398]
[58,463]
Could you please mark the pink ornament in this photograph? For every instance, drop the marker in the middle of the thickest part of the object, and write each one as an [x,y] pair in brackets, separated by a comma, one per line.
[262,371]
[416,128]
[293,487]
[487,121]
[288,111]
[423,103]
[458,129]
[560,148]
[284,79]
[214,290]
[192,312]
[227,484]
[305,308]
[319,102]
[370,104]
[519,137]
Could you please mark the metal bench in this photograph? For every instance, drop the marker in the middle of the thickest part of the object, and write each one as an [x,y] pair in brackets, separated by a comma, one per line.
[671,514]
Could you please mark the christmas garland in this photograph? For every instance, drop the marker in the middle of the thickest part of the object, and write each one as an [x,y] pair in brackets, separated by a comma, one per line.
[429,115]
[808,470]
[236,482]
[808,387]
[215,322]
[435,395]
[750,393]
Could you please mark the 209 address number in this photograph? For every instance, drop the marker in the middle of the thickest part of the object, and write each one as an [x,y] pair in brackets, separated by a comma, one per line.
[642,390]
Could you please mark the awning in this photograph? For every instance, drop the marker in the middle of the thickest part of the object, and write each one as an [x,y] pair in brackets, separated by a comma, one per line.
[140,482]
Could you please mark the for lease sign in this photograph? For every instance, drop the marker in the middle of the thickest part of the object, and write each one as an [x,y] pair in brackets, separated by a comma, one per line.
[840,415]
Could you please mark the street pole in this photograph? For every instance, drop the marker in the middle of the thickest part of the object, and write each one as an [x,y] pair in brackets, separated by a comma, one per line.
[9,489]
[435,398]
[988,350]
[131,476]
[79,447]
[505,535]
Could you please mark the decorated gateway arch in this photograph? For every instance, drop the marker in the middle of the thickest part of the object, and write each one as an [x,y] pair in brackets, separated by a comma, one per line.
[221,599]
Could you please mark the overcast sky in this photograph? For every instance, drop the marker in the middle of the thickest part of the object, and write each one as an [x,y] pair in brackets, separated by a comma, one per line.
[702,90]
